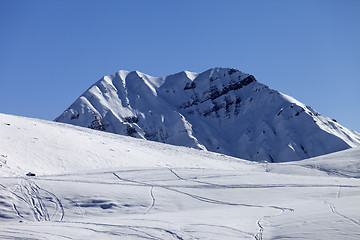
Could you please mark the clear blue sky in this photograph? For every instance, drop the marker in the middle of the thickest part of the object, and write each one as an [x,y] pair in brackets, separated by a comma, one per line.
[52,51]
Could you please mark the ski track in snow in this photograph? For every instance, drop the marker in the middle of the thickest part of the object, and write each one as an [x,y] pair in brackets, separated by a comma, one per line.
[152,200]
[201,198]
[138,229]
[59,212]
[338,194]
[210,185]
[333,210]
[237,231]
[29,193]
[257,236]
[39,199]
[24,234]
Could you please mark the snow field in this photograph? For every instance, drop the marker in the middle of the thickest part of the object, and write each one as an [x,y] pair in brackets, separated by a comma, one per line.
[95,185]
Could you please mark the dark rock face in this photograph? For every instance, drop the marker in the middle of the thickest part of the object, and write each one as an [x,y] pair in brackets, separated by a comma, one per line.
[96,124]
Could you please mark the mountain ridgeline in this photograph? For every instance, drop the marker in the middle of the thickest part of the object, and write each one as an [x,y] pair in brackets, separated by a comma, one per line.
[221,110]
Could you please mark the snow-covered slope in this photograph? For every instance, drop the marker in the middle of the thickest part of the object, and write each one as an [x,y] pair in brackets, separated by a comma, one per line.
[97,185]
[221,110]
[46,147]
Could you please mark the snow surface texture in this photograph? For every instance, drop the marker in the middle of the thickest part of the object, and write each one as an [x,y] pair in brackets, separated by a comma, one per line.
[96,185]
[222,110]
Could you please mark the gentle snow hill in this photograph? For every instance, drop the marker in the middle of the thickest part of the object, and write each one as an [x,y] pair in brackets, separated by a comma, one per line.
[221,110]
[46,147]
[96,185]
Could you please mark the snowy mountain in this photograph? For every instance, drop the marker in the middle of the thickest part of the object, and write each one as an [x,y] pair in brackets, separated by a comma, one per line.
[96,185]
[221,110]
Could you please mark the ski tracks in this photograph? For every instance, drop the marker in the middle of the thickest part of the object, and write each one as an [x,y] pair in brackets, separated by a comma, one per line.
[146,184]
[334,210]
[59,209]
[257,236]
[152,200]
[338,194]
[43,205]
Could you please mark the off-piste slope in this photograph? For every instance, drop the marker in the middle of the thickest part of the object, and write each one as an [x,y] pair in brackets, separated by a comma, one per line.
[222,110]
[46,147]
[96,185]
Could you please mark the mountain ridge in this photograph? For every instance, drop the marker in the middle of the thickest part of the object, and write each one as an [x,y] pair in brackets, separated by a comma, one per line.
[222,110]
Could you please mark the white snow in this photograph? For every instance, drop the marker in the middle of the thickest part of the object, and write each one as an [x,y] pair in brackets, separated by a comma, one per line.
[96,185]
[221,109]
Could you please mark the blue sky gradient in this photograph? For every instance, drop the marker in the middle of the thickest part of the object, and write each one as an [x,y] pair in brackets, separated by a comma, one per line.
[52,51]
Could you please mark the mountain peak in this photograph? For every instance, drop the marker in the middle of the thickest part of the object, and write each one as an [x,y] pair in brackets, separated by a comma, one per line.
[222,110]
